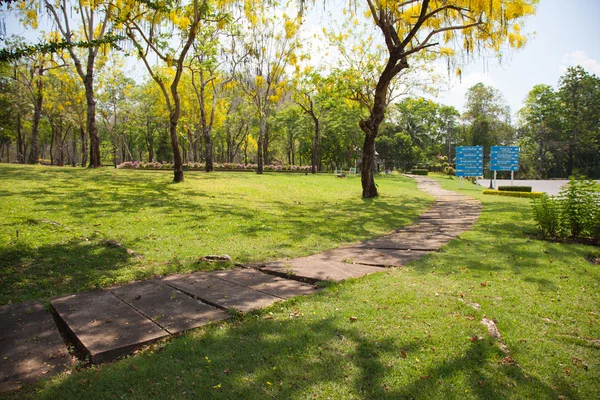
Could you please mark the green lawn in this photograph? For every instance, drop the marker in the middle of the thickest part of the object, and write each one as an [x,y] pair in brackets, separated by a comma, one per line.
[56,221]
[412,337]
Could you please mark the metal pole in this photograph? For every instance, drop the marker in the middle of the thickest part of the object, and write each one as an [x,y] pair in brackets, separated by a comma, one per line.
[495,185]
[461,182]
[512,176]
[477,182]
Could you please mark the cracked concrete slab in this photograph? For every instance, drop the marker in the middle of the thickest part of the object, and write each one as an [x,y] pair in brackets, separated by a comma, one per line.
[169,308]
[31,347]
[105,326]
[221,293]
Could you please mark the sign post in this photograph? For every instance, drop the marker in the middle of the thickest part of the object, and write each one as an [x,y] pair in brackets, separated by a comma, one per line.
[469,162]
[505,158]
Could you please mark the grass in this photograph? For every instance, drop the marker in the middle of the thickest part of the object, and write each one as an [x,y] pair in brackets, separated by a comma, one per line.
[56,222]
[411,335]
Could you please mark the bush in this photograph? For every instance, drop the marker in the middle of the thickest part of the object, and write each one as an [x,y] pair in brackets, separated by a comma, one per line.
[514,188]
[574,213]
[580,205]
[419,171]
[526,195]
[546,212]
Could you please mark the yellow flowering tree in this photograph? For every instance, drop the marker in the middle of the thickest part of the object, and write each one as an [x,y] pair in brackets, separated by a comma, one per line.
[424,30]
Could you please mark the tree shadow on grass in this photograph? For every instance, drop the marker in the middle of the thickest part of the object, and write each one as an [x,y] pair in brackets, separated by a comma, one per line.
[31,272]
[296,358]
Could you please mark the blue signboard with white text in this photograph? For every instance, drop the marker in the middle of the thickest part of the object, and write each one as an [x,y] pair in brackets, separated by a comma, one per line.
[504,158]
[469,161]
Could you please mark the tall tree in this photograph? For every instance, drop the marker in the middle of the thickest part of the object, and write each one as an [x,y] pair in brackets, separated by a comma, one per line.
[539,120]
[412,28]
[149,25]
[580,93]
[488,117]
[271,44]
[83,27]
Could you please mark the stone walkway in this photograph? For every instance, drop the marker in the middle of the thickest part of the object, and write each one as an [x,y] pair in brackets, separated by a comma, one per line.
[106,324]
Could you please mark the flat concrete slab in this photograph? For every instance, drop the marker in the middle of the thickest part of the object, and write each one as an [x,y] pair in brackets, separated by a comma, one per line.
[273,285]
[31,347]
[313,268]
[171,309]
[104,325]
[221,293]
[426,241]
[382,257]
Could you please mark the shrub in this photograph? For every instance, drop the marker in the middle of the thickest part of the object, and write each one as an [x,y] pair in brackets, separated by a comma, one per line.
[514,188]
[580,205]
[419,171]
[526,195]
[547,214]
[574,213]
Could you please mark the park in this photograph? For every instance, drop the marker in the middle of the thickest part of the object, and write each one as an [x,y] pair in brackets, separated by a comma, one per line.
[249,200]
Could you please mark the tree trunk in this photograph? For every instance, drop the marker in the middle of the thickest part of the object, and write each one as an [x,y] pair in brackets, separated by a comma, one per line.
[261,133]
[177,161]
[315,154]
[20,144]
[83,147]
[370,126]
[208,150]
[73,149]
[115,148]
[266,159]
[34,155]
[52,136]
[90,120]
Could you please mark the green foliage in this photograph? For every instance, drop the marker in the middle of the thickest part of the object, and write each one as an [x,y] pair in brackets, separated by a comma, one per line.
[514,188]
[419,171]
[574,213]
[547,214]
[580,204]
[527,195]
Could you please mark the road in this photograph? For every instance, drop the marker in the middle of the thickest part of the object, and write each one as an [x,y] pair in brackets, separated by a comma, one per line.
[552,187]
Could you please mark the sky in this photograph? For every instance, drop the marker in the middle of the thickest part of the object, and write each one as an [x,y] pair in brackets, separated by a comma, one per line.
[564,33]
[561,34]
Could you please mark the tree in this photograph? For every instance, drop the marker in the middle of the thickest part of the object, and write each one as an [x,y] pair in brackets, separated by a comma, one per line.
[409,29]
[539,120]
[95,19]
[143,22]
[271,44]
[579,93]
[209,81]
[488,117]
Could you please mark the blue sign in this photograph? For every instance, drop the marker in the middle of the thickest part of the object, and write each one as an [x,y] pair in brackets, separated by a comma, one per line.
[469,161]
[505,158]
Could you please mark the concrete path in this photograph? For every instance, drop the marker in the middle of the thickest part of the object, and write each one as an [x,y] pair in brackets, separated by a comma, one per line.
[450,215]
[106,324]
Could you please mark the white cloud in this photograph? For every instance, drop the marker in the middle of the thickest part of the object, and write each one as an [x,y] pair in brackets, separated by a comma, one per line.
[578,57]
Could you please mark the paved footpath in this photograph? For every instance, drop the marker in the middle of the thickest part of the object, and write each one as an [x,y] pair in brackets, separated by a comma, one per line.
[106,324]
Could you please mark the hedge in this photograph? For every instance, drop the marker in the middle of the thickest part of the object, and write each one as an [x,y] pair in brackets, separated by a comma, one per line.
[419,171]
[514,188]
[527,195]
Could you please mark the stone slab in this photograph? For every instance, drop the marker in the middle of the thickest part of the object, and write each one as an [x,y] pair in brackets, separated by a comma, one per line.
[427,241]
[316,269]
[104,325]
[31,347]
[172,309]
[273,285]
[220,293]
[381,257]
